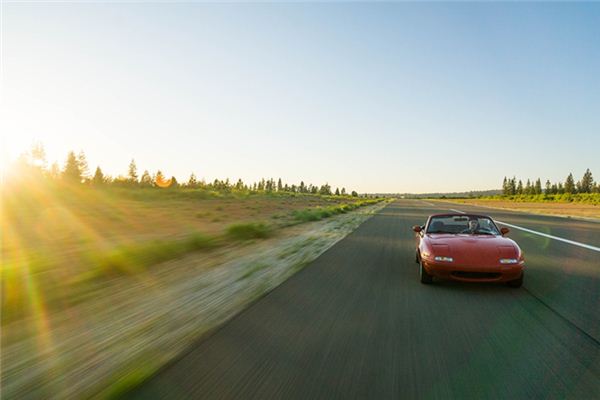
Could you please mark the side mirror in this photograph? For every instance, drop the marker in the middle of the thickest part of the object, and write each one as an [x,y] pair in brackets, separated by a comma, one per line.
[417,228]
[504,231]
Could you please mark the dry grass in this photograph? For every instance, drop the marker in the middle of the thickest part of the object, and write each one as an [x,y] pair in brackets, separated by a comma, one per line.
[62,243]
[77,337]
[559,209]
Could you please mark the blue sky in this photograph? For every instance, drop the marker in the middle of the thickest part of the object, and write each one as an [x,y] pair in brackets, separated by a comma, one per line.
[374,97]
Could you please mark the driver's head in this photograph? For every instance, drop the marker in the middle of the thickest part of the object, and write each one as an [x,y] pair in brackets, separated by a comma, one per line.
[473,224]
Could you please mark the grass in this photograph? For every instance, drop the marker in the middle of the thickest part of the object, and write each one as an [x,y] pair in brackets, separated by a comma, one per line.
[253,269]
[296,247]
[63,241]
[560,205]
[248,231]
[318,213]
[585,198]
[131,259]
[81,260]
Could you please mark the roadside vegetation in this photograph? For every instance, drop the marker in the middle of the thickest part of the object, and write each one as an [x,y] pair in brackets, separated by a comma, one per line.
[66,232]
[586,190]
[318,213]
[96,271]
[567,199]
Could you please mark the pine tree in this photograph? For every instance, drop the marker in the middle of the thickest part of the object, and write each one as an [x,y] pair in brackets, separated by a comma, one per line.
[159,180]
[548,187]
[337,191]
[98,178]
[561,188]
[132,173]
[343,191]
[325,189]
[37,156]
[279,185]
[84,170]
[587,182]
[528,188]
[505,187]
[538,186]
[173,183]
[513,186]
[302,188]
[54,171]
[146,179]
[71,172]
[520,187]
[570,184]
[239,185]
[192,182]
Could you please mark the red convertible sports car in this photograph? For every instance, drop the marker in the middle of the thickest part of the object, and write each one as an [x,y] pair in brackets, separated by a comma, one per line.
[468,248]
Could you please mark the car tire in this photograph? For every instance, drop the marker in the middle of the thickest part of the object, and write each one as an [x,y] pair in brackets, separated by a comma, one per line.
[425,277]
[517,283]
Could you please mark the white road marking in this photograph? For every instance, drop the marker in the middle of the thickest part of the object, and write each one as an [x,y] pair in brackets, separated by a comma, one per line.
[585,246]
[429,204]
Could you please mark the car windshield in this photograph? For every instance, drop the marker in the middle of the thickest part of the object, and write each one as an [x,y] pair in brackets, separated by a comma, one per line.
[464,224]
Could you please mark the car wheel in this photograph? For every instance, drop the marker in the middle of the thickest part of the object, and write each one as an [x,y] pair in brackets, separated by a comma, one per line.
[517,283]
[425,277]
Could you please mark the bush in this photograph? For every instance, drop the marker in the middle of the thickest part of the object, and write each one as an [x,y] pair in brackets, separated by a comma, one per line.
[306,215]
[247,231]
[129,259]
[585,198]
[318,213]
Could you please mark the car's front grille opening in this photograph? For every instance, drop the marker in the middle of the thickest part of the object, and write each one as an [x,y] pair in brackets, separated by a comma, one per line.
[475,275]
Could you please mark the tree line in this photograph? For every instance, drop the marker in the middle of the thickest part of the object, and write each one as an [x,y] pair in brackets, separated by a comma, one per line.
[510,186]
[76,172]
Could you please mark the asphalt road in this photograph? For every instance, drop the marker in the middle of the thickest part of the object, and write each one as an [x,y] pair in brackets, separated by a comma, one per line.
[356,323]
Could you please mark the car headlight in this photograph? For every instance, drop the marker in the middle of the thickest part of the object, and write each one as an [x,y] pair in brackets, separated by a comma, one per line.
[508,261]
[443,258]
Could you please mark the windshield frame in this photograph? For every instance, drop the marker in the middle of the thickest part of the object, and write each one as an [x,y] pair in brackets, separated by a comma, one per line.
[470,217]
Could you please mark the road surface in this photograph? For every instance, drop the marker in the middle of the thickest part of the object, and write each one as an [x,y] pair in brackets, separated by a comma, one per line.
[356,323]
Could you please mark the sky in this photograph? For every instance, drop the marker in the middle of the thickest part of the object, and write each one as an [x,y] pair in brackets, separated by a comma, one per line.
[384,97]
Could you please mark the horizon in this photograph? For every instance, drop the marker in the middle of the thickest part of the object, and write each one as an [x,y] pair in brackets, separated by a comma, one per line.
[377,98]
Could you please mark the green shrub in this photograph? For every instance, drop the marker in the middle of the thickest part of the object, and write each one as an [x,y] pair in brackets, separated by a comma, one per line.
[247,231]
[306,215]
[318,213]
[130,259]
[585,198]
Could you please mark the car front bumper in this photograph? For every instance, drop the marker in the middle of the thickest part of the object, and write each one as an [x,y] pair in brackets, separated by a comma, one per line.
[462,273]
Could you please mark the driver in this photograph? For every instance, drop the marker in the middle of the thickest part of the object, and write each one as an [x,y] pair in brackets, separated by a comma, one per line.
[473,226]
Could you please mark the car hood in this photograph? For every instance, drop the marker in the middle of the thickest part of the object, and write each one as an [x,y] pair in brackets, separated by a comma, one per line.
[473,249]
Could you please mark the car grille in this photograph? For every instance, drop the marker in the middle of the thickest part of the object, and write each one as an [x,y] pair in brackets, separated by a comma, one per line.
[476,275]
